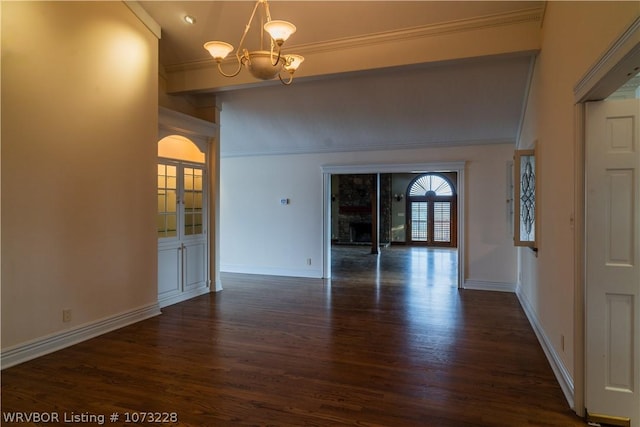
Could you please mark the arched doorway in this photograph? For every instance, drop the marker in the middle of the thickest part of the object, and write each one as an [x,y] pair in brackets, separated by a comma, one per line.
[431,211]
[182,220]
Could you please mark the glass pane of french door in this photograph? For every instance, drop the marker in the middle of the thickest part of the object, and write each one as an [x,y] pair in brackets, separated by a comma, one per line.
[419,214]
[442,221]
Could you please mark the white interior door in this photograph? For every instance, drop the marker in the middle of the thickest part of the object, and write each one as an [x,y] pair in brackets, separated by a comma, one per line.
[612,264]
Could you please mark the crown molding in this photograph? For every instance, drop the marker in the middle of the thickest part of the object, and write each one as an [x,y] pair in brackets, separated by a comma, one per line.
[414,33]
[144,17]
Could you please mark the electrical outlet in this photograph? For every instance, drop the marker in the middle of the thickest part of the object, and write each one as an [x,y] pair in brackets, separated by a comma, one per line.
[66,316]
[308,261]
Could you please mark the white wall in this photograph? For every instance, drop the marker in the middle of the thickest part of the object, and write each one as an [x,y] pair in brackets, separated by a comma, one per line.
[575,35]
[258,235]
[79,129]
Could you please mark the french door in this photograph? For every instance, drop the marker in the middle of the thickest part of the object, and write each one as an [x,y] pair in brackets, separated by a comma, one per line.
[431,223]
[182,231]
[431,207]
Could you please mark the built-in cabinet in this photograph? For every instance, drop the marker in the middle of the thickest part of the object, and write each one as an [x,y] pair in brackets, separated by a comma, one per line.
[185,237]
[182,230]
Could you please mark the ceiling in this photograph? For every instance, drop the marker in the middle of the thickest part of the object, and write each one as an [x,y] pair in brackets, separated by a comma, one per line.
[377,74]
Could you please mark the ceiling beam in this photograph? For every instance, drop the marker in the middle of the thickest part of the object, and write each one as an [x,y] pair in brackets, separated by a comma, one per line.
[507,33]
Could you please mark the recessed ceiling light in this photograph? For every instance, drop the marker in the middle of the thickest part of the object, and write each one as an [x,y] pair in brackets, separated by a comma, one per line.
[189,19]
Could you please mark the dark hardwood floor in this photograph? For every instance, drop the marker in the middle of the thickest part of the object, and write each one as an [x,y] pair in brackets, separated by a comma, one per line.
[391,344]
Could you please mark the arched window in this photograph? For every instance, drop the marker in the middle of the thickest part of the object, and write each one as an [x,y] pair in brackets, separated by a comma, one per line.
[431,207]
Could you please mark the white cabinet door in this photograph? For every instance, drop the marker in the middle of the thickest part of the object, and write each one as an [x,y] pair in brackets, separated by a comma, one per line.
[169,271]
[613,257]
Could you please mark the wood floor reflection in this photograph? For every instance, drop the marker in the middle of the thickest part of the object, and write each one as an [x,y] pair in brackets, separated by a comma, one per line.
[396,264]
[390,347]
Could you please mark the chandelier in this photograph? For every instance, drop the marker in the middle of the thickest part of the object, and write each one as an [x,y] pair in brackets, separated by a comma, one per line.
[262,64]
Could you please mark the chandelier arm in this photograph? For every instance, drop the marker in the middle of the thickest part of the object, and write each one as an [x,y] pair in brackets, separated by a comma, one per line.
[234,73]
[268,14]
[287,82]
[246,28]
[266,9]
[279,55]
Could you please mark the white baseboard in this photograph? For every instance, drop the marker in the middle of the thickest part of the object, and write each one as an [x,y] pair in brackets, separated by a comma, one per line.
[182,296]
[481,285]
[269,271]
[559,370]
[23,352]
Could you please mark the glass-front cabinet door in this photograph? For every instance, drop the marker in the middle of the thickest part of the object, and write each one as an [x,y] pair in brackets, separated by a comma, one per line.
[192,195]
[180,208]
[167,201]
[182,229]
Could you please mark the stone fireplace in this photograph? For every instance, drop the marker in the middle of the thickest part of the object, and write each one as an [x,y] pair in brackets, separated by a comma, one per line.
[354,208]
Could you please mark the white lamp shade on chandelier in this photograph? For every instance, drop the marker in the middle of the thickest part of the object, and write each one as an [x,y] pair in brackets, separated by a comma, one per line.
[293,62]
[219,50]
[280,31]
[262,64]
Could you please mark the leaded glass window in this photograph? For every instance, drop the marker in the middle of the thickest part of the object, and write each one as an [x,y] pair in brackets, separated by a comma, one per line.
[525,198]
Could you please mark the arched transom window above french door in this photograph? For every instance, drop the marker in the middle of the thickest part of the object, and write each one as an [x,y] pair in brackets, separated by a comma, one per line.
[431,210]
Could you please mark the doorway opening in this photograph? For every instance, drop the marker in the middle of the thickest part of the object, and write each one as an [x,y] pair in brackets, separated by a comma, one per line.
[616,68]
[347,220]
